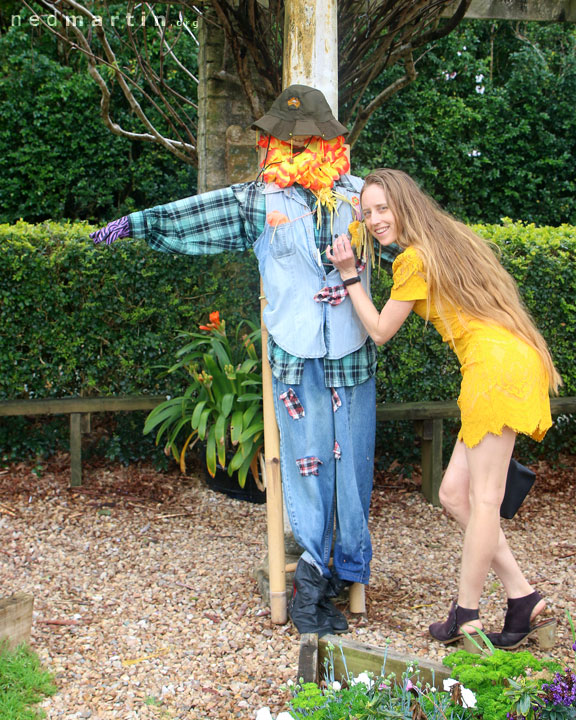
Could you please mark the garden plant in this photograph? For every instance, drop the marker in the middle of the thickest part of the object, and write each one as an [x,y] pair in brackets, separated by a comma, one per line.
[222,405]
[489,684]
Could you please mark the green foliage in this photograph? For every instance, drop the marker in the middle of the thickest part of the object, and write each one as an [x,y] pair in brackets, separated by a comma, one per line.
[23,683]
[488,127]
[487,676]
[83,320]
[222,405]
[526,697]
[374,698]
[57,158]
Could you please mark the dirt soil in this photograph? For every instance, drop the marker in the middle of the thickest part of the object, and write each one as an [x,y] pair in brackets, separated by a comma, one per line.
[146,604]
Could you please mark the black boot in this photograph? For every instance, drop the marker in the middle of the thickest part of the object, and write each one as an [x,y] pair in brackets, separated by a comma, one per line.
[335,617]
[304,606]
[449,631]
[518,628]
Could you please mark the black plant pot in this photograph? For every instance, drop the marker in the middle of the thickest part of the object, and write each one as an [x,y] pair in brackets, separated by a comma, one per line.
[229,485]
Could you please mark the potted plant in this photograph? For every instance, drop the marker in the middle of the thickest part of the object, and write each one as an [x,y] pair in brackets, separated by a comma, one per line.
[222,405]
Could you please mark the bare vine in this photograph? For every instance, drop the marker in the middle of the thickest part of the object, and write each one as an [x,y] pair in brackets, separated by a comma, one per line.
[374,37]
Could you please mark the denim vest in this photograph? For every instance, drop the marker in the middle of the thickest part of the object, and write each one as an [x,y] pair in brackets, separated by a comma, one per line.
[292,273]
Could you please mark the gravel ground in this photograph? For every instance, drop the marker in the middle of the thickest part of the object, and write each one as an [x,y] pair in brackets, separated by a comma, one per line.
[146,604]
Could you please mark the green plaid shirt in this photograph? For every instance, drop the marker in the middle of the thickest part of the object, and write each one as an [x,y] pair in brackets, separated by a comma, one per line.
[233,219]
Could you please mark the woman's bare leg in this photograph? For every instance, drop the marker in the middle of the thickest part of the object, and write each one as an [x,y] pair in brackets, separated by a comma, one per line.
[456,497]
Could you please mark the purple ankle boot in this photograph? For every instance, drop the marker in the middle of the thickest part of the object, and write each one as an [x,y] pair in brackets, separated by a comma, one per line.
[449,631]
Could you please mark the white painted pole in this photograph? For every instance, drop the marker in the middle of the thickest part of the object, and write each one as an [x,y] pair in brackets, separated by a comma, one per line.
[311,47]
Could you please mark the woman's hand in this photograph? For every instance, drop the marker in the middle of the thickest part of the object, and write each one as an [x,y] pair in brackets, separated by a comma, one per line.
[342,256]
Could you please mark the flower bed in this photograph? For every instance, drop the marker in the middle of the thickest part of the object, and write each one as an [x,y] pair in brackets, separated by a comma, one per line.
[491,684]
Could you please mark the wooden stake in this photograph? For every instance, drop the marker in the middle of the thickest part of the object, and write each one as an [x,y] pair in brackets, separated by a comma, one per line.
[274,504]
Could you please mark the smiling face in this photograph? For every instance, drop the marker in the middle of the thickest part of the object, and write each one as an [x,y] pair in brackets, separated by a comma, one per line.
[378,217]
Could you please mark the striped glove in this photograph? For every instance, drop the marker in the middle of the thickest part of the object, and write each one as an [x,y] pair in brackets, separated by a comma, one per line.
[116,229]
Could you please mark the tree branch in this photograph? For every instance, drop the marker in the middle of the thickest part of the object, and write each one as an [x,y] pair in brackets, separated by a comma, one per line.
[364,114]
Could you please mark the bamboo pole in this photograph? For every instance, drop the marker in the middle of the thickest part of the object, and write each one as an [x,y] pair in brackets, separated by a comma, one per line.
[274,504]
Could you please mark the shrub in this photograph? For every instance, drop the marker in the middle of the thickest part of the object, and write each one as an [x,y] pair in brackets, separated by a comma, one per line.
[85,320]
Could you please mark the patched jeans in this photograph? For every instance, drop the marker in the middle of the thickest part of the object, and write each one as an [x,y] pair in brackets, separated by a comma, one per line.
[327,461]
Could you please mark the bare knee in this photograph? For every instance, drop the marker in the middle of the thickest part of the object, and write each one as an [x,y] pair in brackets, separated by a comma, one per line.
[454,500]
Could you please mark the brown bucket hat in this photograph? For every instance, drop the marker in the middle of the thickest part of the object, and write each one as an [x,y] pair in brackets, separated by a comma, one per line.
[300,110]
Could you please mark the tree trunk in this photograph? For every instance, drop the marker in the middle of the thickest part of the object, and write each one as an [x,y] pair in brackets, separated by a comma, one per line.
[226,144]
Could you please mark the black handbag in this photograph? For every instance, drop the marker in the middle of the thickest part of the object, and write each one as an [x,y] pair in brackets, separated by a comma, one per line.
[518,483]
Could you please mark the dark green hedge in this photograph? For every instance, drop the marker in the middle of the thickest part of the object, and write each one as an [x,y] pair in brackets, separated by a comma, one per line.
[78,319]
[57,158]
[488,128]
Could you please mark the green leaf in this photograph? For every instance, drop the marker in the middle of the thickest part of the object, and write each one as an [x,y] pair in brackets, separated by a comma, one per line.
[227,403]
[211,453]
[203,422]
[236,426]
[195,421]
[220,428]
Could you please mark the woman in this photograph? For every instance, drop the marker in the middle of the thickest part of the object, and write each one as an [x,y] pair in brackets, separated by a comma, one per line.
[451,277]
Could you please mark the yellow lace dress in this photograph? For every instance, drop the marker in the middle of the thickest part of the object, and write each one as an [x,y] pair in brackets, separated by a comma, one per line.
[504,382]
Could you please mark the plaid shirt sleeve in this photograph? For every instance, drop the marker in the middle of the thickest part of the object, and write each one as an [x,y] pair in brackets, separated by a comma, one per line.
[228,219]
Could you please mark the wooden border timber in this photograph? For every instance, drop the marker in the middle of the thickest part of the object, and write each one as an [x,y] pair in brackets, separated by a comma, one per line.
[79,409]
[360,658]
[429,418]
[16,619]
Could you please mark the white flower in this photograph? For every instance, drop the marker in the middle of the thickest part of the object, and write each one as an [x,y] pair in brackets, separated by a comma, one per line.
[474,153]
[468,697]
[480,89]
[363,678]
[264,714]
[479,78]
[336,686]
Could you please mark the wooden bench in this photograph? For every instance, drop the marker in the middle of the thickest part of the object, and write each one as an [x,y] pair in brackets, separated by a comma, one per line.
[79,409]
[428,418]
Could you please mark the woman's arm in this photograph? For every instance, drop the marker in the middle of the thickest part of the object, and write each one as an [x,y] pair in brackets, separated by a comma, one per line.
[381,326]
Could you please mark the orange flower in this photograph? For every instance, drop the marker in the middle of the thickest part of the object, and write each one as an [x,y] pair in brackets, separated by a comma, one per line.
[276,218]
[215,322]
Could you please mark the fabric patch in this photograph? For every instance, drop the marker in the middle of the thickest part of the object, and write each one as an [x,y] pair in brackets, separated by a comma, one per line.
[309,465]
[337,293]
[332,295]
[337,451]
[336,402]
[293,405]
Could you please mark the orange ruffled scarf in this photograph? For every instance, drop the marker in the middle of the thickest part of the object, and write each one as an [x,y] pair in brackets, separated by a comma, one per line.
[316,168]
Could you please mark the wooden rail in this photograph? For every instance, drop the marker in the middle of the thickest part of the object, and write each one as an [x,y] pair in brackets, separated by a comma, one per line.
[80,410]
[428,418]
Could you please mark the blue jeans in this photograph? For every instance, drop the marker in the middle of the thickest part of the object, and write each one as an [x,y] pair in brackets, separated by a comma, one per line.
[327,461]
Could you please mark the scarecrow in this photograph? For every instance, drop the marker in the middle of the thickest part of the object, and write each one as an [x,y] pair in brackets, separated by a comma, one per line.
[323,362]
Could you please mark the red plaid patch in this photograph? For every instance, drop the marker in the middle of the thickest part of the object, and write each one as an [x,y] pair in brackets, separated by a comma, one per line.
[332,295]
[337,452]
[309,465]
[336,402]
[337,293]
[293,405]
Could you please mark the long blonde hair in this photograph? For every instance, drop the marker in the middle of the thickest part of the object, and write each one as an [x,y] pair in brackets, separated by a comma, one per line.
[461,267]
